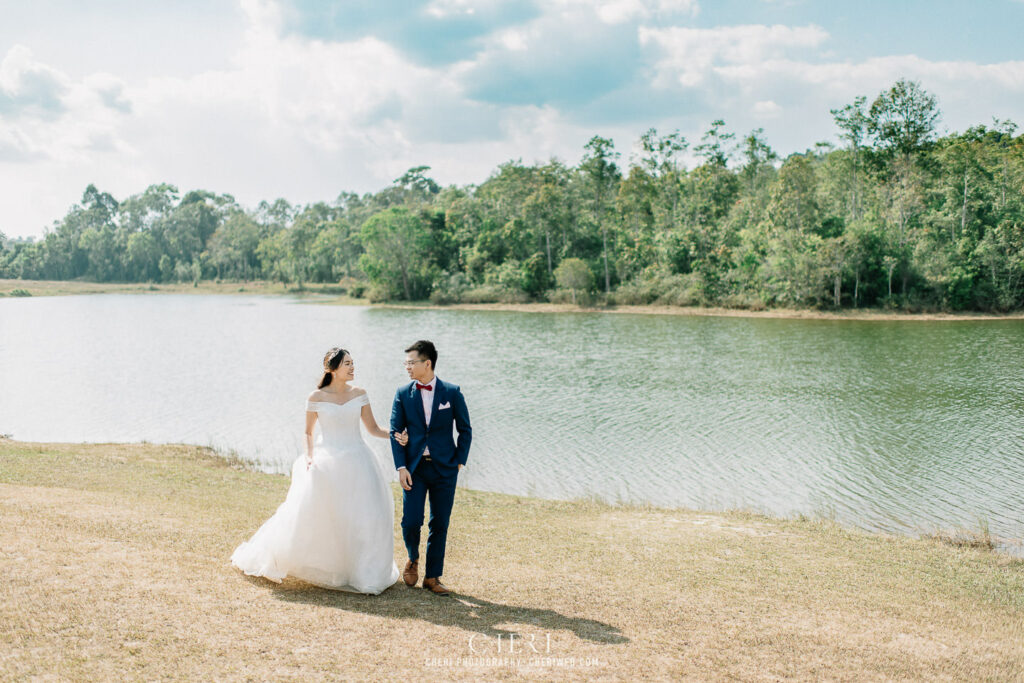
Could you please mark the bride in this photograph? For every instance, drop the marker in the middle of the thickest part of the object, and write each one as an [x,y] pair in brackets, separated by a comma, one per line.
[335,528]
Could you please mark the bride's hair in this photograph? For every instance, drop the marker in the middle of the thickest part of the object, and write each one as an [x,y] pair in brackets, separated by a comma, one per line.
[332,359]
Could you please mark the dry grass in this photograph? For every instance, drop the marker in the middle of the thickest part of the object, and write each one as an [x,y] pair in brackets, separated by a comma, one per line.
[70,287]
[115,565]
[965,538]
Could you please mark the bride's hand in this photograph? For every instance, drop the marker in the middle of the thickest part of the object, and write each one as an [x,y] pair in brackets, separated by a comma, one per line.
[309,461]
[403,437]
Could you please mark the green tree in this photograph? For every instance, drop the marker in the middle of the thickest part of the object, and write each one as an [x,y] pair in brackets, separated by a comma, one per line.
[575,275]
[232,248]
[414,187]
[102,254]
[706,241]
[602,174]
[758,157]
[716,146]
[397,247]
[143,257]
[276,258]
[545,207]
[794,204]
[902,204]
[854,125]
[534,276]
[903,118]
[896,214]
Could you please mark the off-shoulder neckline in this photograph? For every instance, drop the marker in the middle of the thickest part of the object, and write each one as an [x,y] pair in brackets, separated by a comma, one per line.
[335,403]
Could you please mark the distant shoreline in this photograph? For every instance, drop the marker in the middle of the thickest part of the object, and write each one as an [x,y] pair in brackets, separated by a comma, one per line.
[710,311]
[333,295]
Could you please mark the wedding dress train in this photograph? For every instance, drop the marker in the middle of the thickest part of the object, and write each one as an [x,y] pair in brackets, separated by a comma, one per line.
[335,528]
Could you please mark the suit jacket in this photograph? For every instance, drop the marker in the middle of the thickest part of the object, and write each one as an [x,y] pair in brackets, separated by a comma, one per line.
[449,408]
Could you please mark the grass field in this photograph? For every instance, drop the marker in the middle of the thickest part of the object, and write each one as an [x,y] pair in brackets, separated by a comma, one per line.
[115,566]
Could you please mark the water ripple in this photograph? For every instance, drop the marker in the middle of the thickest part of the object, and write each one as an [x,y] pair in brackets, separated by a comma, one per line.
[903,427]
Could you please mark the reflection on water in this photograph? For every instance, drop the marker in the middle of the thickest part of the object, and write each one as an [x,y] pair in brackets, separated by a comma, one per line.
[897,426]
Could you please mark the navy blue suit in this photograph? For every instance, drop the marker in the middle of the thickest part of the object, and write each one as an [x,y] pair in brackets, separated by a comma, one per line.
[437,477]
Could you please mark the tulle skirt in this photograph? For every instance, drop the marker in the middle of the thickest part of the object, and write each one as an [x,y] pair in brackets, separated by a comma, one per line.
[335,528]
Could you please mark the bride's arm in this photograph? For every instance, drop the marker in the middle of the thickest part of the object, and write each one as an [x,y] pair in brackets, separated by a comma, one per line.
[310,421]
[371,425]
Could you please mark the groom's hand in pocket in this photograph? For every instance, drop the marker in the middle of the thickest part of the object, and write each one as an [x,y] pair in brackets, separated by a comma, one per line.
[405,479]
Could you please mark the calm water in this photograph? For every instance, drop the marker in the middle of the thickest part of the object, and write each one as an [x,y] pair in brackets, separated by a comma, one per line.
[896,426]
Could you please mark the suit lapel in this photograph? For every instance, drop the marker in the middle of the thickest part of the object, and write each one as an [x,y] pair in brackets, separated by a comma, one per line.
[414,396]
[437,399]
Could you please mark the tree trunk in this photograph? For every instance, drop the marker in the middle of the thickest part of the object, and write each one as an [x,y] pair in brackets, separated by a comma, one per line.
[1002,203]
[565,238]
[856,189]
[836,289]
[604,241]
[405,281]
[547,239]
[599,203]
[963,210]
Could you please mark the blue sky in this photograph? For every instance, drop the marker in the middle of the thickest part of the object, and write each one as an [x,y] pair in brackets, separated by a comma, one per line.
[303,99]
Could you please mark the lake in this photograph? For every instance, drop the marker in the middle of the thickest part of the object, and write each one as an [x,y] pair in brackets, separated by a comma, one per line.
[898,426]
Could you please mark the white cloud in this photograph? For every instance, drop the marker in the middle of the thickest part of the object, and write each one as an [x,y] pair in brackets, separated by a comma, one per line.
[29,88]
[441,9]
[44,114]
[300,118]
[687,55]
[1009,75]
[513,39]
[622,11]
[968,93]
[766,109]
[749,74]
[305,119]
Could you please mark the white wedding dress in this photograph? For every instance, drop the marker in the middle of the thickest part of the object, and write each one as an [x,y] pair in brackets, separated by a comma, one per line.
[335,528]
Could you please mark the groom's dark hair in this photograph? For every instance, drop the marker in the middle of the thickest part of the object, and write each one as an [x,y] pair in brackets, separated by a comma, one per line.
[426,350]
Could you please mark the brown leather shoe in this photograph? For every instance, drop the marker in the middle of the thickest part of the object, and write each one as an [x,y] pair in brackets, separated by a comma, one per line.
[435,586]
[412,572]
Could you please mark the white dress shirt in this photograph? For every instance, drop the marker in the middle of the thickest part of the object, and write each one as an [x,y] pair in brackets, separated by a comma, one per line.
[428,403]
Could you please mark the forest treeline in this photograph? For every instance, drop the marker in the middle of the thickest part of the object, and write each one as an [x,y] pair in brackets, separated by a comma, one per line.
[894,215]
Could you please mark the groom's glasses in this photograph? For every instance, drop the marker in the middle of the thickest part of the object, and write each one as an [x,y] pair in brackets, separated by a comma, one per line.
[410,363]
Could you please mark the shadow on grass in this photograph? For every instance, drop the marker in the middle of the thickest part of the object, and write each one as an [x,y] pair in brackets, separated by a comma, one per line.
[459,610]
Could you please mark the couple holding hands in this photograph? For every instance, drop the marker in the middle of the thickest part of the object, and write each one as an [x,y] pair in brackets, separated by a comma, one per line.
[335,528]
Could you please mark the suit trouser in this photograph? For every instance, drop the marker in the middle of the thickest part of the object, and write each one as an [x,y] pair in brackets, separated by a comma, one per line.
[427,481]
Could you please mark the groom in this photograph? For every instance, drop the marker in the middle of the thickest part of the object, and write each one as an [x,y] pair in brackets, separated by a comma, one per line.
[429,464]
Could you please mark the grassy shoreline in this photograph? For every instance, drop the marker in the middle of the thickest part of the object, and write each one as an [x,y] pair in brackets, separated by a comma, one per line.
[711,311]
[115,560]
[73,287]
[332,294]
